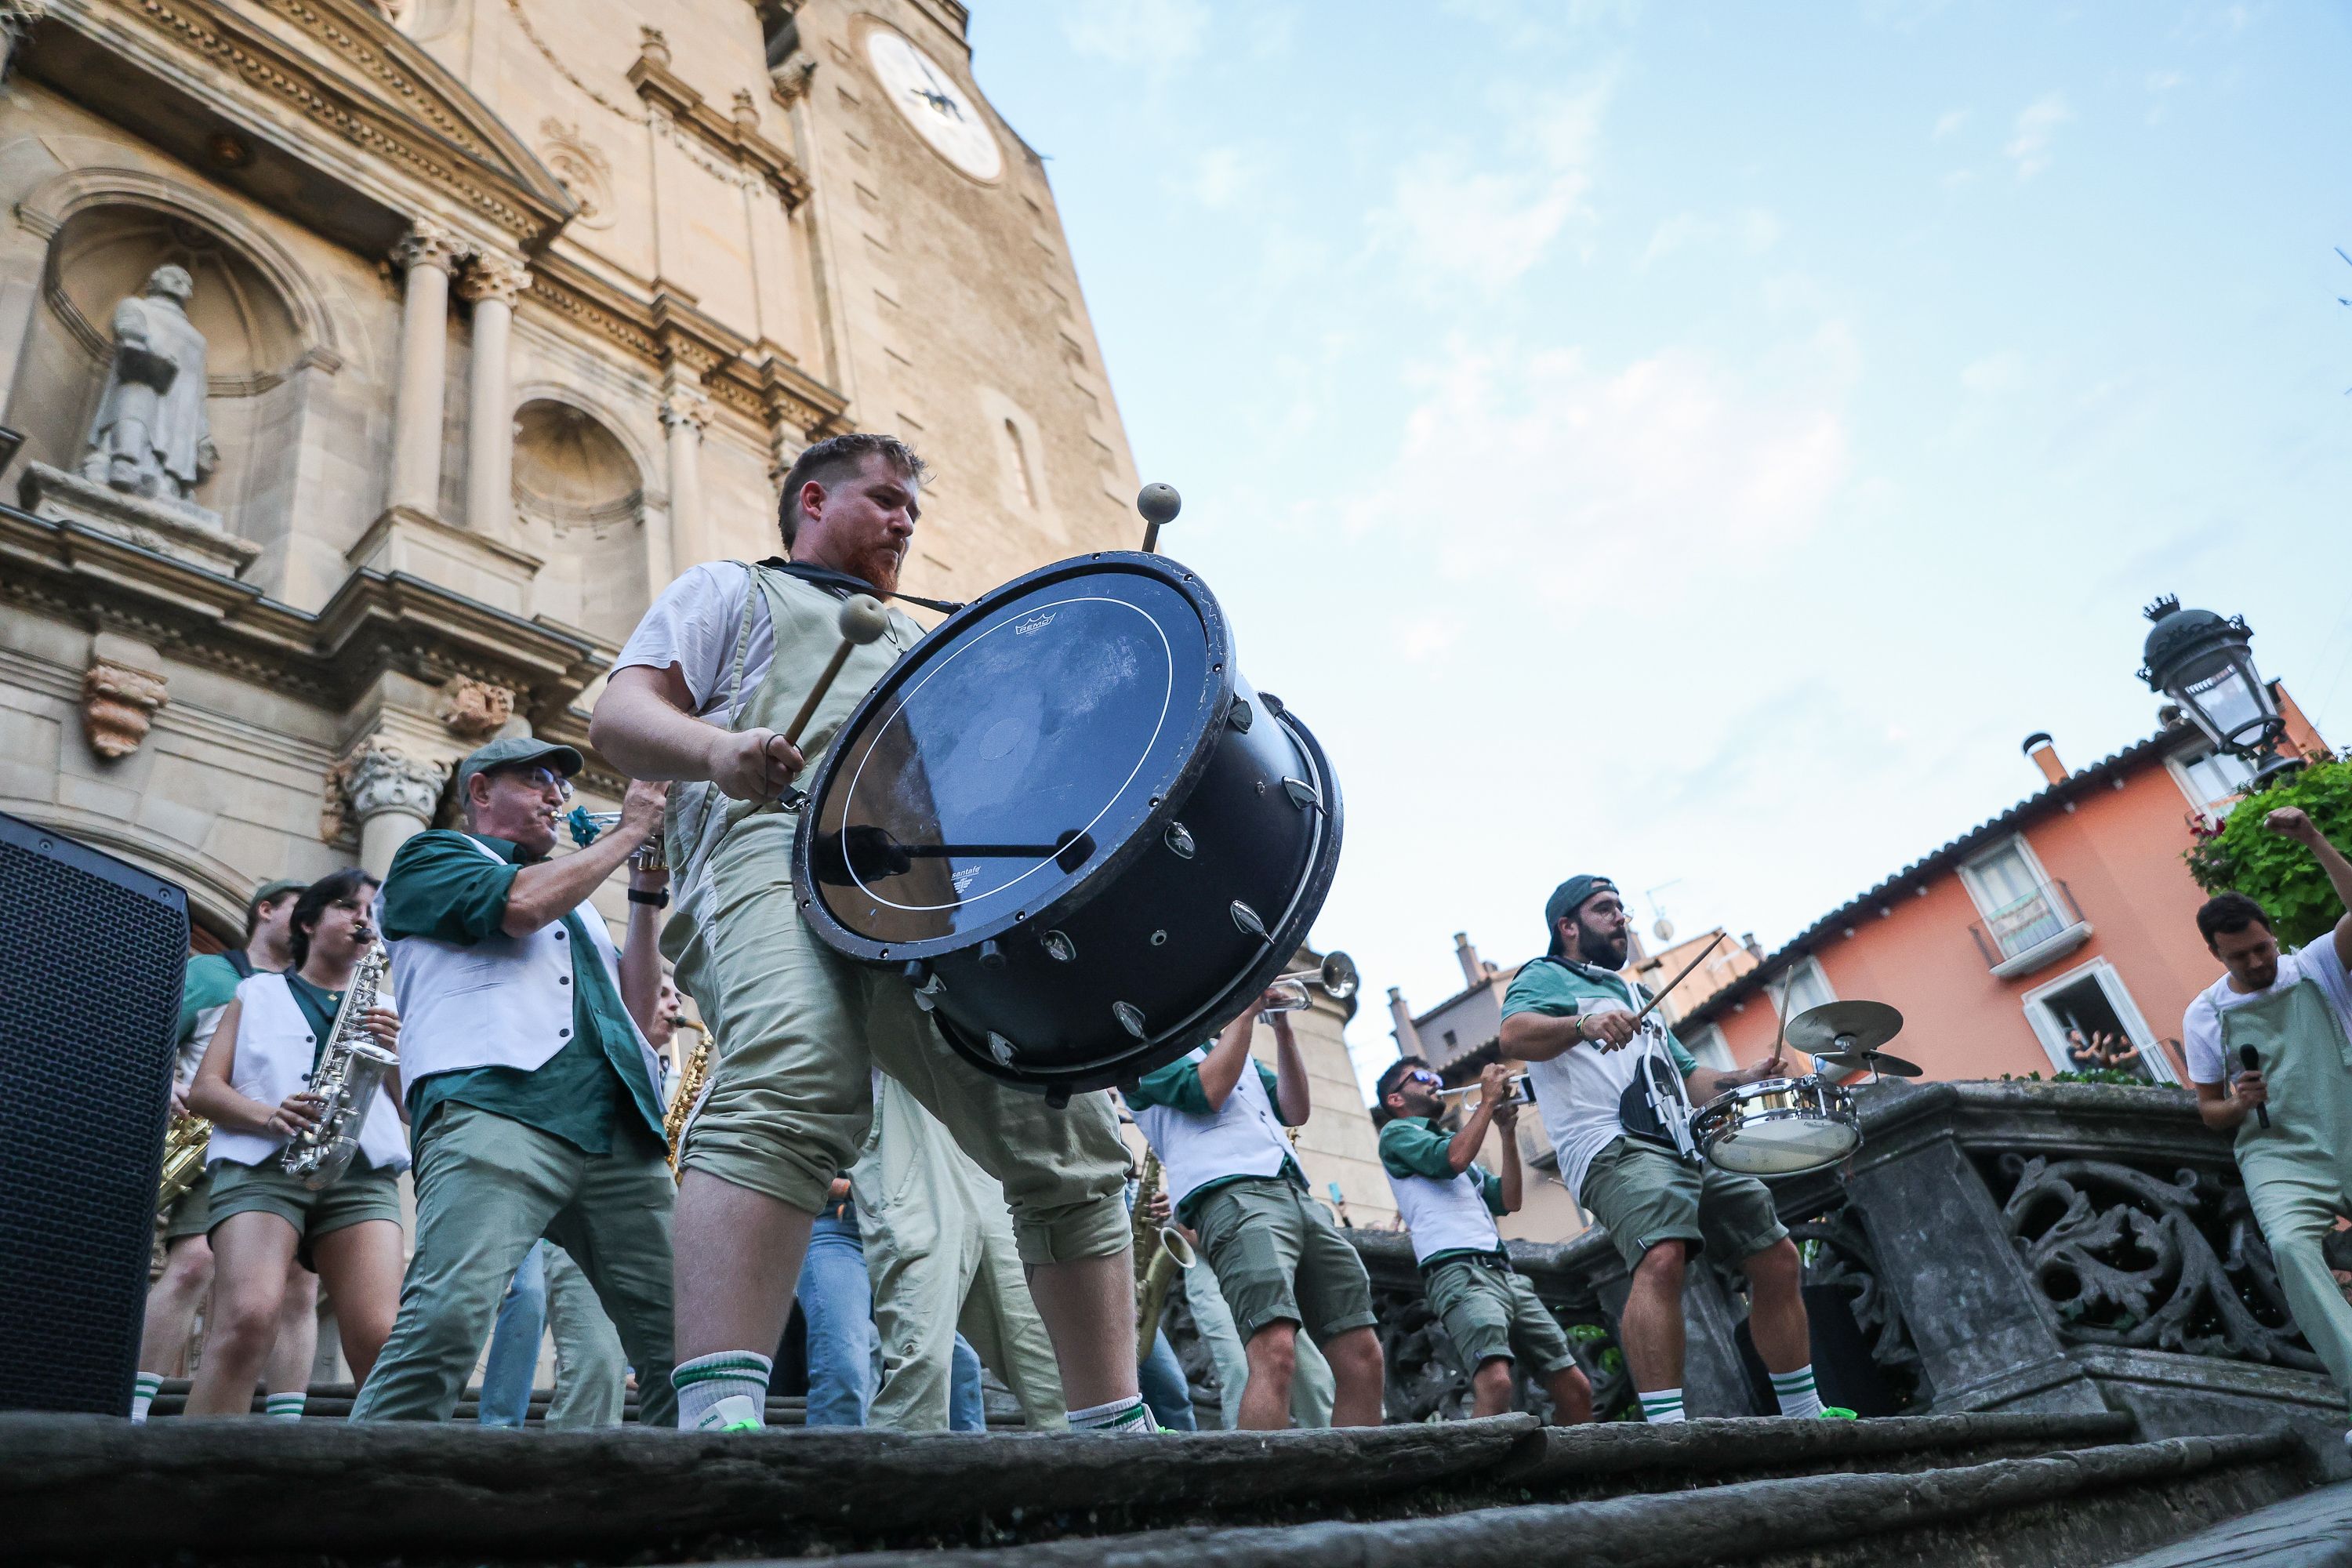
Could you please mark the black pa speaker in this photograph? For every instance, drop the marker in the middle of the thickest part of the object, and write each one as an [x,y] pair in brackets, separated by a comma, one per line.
[90,970]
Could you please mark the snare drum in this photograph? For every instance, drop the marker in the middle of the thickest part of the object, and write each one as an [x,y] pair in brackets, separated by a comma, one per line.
[1778,1127]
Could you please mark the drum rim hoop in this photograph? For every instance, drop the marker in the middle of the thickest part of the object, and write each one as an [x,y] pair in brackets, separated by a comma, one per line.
[1208,735]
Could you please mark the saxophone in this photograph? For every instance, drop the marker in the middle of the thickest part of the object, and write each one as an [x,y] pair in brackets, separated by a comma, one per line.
[348,1072]
[693,1074]
[183,1157]
[1161,1253]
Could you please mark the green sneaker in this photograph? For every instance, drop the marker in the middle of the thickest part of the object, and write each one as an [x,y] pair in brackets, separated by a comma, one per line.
[735,1413]
[1838,1413]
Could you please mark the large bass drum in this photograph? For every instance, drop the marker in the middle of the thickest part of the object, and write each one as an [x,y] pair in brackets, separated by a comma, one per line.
[1072,825]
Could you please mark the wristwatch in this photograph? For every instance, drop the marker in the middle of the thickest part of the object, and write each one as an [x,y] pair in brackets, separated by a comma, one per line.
[659,899]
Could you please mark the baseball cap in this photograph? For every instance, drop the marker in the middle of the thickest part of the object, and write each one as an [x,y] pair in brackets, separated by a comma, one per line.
[1568,897]
[511,750]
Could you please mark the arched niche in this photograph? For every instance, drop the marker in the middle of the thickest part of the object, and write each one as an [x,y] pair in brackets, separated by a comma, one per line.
[262,332]
[580,506]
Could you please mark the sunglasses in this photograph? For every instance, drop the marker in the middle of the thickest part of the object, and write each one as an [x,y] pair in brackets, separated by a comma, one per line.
[1421,1075]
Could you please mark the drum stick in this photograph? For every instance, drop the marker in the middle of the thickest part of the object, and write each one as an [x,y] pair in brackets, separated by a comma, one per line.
[1685,975]
[1159,503]
[863,620]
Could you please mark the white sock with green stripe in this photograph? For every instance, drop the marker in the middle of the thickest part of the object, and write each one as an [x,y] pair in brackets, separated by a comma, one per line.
[1796,1392]
[284,1407]
[143,1389]
[1129,1414]
[723,1392]
[1661,1404]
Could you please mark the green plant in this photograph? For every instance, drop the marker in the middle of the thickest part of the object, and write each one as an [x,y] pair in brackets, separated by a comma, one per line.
[2275,872]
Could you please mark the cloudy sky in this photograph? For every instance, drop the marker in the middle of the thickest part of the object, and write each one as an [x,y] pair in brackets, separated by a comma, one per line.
[1698,442]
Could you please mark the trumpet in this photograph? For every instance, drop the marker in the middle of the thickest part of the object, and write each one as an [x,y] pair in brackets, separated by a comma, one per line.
[1336,978]
[1522,1091]
[587,826]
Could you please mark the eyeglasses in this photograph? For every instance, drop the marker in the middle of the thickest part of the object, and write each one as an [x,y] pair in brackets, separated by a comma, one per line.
[542,778]
[1423,1074]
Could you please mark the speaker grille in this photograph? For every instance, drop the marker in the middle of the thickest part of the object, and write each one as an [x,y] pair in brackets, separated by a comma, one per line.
[91,972]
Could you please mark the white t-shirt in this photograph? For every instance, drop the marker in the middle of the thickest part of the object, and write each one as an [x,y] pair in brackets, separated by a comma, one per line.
[1579,1092]
[693,625]
[2200,1027]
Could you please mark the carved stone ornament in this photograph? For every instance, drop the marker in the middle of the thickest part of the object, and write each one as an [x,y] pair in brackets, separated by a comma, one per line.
[429,244]
[376,779]
[653,44]
[493,277]
[684,405]
[475,710]
[582,169]
[117,705]
[150,438]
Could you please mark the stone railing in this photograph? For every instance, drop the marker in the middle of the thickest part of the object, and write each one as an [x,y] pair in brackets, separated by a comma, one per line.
[2040,1247]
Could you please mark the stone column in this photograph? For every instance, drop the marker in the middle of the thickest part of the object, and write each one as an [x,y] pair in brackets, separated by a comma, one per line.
[429,254]
[491,282]
[684,413]
[390,796]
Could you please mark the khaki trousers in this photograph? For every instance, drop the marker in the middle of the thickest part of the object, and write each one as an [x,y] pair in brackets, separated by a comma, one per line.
[940,1254]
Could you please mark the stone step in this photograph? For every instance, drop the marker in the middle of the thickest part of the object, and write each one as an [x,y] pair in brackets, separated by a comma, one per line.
[2314,1531]
[91,1487]
[332,1402]
[2069,1510]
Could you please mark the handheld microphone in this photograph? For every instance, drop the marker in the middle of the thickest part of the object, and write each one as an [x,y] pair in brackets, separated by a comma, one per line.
[2251,1059]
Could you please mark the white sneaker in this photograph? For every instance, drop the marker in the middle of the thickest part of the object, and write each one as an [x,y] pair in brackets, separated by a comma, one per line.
[735,1413]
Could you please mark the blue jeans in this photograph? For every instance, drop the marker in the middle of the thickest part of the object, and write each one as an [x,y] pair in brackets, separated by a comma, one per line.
[513,1365]
[1161,1379]
[967,1402]
[838,1306]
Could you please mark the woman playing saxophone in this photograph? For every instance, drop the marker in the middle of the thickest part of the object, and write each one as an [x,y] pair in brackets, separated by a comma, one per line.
[283,1037]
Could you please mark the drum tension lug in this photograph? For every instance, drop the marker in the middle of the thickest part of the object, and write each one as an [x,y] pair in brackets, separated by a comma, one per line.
[1304,796]
[1241,716]
[991,954]
[1130,1018]
[1248,920]
[1057,1097]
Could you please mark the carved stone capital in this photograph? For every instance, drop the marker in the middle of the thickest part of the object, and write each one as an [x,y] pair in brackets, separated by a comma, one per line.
[493,277]
[789,82]
[747,110]
[683,405]
[378,778]
[429,244]
[474,710]
[119,702]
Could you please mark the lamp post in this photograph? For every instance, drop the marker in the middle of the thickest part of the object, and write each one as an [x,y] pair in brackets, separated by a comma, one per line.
[2206,666]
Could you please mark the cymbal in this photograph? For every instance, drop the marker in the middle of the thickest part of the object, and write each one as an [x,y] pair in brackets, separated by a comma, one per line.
[1879,1062]
[1844,1027]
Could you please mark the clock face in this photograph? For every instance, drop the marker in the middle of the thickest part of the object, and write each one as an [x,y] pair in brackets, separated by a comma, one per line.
[934,105]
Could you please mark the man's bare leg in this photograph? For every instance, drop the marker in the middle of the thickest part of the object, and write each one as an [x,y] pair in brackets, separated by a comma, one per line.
[1089,1306]
[1650,1330]
[1358,1372]
[171,1303]
[1273,1363]
[738,1260]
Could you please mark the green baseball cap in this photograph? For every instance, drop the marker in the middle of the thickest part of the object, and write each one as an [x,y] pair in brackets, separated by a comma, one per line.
[1569,898]
[268,890]
[516,751]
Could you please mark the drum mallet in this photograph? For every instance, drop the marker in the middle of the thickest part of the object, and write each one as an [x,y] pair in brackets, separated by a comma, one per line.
[863,620]
[1159,503]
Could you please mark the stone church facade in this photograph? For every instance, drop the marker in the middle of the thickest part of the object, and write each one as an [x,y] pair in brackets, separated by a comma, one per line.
[505,312]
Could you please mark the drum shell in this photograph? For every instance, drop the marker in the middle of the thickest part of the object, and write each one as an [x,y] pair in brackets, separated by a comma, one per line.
[1811,1101]
[1159,933]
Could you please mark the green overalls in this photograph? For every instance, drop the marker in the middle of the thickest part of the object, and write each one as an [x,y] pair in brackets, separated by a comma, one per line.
[2298,1170]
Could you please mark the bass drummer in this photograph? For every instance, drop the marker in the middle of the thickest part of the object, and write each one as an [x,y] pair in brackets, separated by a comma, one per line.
[1617,1118]
[702,694]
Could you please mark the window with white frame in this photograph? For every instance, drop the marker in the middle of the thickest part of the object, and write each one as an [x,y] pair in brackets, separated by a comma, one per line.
[1805,986]
[1707,1044]
[2210,779]
[2013,895]
[2086,1020]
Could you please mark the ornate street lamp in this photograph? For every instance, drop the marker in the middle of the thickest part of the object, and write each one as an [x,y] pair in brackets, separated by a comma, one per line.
[2206,666]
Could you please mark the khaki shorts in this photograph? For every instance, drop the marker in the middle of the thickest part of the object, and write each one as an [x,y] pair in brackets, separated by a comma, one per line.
[191,1213]
[356,1197]
[1644,1195]
[798,1030]
[1278,1257]
[1491,1311]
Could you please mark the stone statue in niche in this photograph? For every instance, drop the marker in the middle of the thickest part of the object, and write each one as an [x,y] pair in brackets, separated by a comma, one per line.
[151,438]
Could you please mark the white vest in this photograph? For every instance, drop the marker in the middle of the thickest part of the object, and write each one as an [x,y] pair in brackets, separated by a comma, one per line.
[275,1048]
[1245,1139]
[505,1002]
[1445,1216]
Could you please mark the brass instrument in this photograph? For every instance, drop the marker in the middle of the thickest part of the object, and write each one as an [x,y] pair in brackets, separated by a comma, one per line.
[693,1075]
[586,826]
[183,1157]
[1161,1253]
[350,1070]
[1336,978]
[1522,1092]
